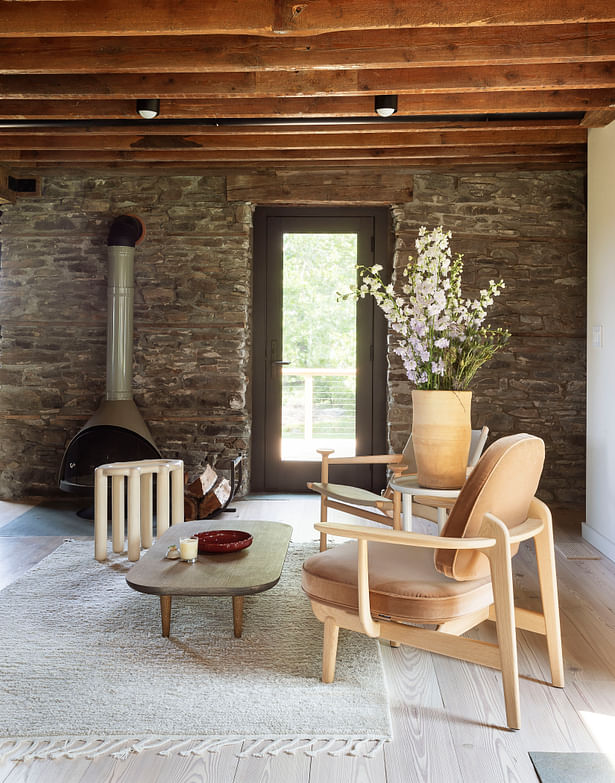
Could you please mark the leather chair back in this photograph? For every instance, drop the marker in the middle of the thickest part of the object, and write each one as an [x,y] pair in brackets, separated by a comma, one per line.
[503,483]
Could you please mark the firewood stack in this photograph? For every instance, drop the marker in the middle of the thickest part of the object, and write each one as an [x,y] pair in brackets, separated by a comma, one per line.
[205,495]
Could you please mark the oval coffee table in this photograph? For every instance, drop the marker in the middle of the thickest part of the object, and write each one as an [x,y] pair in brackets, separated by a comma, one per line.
[237,574]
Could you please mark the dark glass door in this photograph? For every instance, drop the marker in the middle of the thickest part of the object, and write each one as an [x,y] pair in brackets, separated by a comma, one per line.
[317,381]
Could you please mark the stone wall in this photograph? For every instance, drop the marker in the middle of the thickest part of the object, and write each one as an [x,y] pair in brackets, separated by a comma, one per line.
[529,229]
[191,323]
[193,306]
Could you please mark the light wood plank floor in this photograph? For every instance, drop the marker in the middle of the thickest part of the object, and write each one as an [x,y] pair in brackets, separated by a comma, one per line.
[447,715]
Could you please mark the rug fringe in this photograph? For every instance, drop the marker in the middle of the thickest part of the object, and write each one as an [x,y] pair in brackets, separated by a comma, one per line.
[21,749]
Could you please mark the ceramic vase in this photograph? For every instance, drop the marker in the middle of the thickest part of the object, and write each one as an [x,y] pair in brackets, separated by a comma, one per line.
[441,435]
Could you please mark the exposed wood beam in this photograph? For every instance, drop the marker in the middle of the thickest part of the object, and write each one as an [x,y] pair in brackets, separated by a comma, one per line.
[294,127]
[415,105]
[342,139]
[190,169]
[356,185]
[599,118]
[352,50]
[235,158]
[275,17]
[409,81]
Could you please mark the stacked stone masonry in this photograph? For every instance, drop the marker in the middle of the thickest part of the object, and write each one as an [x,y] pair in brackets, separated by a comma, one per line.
[192,335]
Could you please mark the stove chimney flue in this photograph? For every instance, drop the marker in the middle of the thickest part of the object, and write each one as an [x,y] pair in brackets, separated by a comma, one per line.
[125,232]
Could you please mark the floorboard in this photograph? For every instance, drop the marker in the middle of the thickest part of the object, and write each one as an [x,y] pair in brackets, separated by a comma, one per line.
[447,715]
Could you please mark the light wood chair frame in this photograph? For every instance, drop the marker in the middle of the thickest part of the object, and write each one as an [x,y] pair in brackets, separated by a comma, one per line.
[388,510]
[495,541]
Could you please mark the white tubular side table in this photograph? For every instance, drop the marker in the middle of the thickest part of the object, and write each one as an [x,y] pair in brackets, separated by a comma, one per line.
[408,486]
[138,476]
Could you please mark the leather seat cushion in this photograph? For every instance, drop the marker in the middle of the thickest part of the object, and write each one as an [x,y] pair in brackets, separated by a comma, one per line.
[403,583]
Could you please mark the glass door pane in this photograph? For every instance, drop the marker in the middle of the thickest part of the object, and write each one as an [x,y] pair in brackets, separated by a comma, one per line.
[319,375]
[318,381]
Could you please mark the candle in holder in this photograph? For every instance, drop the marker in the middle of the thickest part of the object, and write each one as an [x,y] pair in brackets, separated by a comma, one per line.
[188,548]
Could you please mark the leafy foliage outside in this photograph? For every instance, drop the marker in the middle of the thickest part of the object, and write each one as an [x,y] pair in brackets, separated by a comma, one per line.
[318,332]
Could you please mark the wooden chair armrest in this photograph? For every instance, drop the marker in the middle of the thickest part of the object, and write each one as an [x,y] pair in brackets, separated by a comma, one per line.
[365,460]
[527,529]
[403,537]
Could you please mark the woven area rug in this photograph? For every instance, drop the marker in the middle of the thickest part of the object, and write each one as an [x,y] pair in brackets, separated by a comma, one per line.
[85,671]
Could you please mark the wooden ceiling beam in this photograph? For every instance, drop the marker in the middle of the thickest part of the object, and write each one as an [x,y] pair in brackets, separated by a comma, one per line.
[491,103]
[342,139]
[235,157]
[283,17]
[506,164]
[599,118]
[298,127]
[352,50]
[410,81]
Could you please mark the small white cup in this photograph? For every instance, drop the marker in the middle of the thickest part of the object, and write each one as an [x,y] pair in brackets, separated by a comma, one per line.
[188,549]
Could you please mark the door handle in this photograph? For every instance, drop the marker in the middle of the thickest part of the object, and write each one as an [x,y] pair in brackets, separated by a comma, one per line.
[280,362]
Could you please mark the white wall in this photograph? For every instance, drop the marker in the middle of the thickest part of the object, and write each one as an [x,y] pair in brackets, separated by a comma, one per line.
[599,528]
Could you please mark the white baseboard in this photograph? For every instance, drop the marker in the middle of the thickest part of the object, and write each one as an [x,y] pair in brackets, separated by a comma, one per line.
[603,544]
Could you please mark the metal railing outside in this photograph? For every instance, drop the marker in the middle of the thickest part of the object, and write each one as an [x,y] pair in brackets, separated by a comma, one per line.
[318,407]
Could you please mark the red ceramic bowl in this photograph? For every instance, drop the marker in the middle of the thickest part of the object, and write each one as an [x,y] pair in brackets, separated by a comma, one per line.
[216,541]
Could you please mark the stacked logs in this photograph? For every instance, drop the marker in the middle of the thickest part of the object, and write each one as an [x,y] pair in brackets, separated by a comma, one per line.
[205,495]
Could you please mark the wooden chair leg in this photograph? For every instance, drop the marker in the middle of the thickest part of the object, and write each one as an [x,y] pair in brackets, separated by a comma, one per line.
[329,649]
[545,559]
[323,518]
[503,595]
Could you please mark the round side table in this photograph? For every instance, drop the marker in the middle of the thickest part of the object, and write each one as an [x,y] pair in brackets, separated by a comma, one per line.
[409,486]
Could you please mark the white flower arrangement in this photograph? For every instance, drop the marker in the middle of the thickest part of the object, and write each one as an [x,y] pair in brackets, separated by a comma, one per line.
[442,338]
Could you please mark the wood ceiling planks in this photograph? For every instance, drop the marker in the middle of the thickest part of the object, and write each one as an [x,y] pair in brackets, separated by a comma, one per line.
[481,83]
[285,17]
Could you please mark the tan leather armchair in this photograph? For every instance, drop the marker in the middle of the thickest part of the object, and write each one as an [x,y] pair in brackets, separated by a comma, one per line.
[390,584]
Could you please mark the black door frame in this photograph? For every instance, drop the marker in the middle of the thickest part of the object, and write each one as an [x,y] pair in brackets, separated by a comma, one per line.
[372,478]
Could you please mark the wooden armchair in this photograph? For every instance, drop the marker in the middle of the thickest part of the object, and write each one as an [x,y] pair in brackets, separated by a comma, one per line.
[387,580]
[370,505]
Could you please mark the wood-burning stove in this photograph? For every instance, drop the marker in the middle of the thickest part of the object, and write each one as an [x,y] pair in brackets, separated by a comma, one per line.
[117,431]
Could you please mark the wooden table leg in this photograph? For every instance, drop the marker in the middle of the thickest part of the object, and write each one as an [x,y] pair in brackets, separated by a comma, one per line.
[237,615]
[165,614]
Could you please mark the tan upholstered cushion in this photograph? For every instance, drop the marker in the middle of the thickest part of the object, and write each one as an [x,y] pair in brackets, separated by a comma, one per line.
[403,583]
[503,483]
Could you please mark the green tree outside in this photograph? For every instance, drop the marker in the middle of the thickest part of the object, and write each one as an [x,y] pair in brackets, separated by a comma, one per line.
[319,331]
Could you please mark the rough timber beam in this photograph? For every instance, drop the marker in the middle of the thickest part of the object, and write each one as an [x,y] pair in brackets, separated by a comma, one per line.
[232,159]
[320,83]
[282,17]
[428,46]
[599,118]
[490,103]
[343,139]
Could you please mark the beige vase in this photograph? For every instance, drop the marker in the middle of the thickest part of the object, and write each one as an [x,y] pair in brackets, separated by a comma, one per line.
[441,435]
